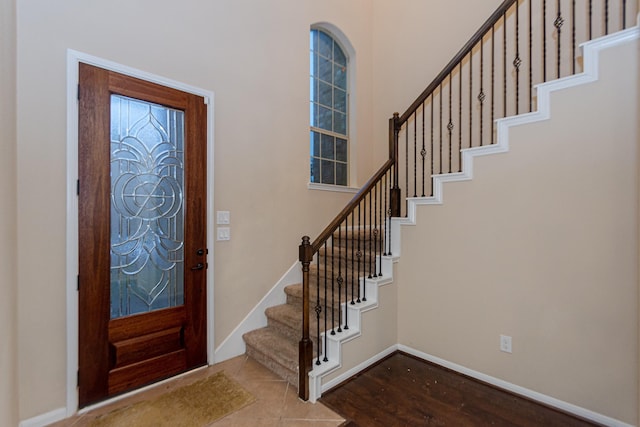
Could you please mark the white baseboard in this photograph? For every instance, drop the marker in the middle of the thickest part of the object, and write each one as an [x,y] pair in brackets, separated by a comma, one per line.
[359,368]
[45,419]
[525,392]
[233,345]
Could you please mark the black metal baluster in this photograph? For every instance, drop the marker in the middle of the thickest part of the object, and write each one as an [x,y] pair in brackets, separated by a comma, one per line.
[450,125]
[624,14]
[374,246]
[333,284]
[544,41]
[359,252]
[530,56]
[481,95]
[318,309]
[558,24]
[326,301]
[353,256]
[379,234]
[606,17]
[340,279]
[517,61]
[471,97]
[406,165]
[440,128]
[493,80]
[460,117]
[366,252]
[423,153]
[346,273]
[504,66]
[415,154]
[389,215]
[370,225]
[432,156]
[386,206]
[573,36]
[590,19]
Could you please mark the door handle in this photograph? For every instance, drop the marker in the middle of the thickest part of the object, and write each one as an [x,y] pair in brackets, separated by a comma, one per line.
[198,266]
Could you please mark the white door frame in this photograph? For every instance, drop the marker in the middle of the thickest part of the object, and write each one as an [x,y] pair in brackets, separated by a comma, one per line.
[73,60]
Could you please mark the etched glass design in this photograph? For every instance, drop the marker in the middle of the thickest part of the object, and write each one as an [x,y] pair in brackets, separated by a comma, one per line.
[147,212]
[328,111]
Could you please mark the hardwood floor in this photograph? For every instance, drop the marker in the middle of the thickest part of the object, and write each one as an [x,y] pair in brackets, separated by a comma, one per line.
[405,391]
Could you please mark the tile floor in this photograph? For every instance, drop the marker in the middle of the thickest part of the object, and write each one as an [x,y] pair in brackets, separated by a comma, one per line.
[276,404]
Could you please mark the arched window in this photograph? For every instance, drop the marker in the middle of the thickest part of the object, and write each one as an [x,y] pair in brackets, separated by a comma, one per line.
[329,120]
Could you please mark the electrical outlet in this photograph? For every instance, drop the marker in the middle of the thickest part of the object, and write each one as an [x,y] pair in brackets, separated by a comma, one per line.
[224,233]
[505,343]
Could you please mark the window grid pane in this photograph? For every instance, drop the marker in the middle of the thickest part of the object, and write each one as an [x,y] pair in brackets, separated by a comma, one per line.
[328,110]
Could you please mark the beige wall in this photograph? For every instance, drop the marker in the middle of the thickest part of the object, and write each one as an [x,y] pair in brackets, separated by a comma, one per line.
[254,56]
[542,245]
[414,40]
[8,328]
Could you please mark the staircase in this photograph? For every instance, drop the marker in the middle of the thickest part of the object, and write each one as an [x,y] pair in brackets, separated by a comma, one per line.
[276,345]
[458,116]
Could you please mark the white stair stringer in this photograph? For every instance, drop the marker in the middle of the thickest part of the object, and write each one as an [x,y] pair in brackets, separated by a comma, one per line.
[591,51]
[333,349]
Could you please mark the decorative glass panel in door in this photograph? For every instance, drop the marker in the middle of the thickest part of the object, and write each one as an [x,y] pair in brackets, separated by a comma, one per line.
[147,210]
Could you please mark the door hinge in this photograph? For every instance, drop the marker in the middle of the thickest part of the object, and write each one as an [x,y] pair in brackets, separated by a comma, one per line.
[78,91]
[78,187]
[78,378]
[78,283]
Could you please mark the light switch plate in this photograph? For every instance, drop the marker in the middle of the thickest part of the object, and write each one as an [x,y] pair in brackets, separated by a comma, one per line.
[223,217]
[224,233]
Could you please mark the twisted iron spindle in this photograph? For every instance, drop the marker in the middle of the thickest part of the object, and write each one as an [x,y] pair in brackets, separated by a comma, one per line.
[481,95]
[432,156]
[340,280]
[558,24]
[415,154]
[530,57]
[333,284]
[423,152]
[326,299]
[517,61]
[450,125]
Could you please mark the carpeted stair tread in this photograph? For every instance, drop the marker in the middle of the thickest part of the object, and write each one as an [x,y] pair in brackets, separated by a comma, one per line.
[294,296]
[344,254]
[274,351]
[286,319]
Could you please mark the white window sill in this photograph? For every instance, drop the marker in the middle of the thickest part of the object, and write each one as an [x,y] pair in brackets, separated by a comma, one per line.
[334,188]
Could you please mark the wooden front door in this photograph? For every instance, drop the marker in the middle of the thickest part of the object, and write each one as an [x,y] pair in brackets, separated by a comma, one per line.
[142,235]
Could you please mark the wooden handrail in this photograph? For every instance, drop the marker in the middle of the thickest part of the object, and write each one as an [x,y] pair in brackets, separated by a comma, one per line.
[456,59]
[328,231]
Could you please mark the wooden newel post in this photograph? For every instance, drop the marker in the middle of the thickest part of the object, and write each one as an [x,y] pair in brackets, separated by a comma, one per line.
[305,348]
[395,193]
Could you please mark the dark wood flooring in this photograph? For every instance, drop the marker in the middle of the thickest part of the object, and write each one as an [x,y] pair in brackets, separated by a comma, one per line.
[402,390]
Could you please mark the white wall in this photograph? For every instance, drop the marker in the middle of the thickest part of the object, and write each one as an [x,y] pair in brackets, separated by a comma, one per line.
[254,55]
[542,245]
[8,328]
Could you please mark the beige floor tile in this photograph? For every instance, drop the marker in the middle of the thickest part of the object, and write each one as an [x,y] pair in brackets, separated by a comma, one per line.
[294,408]
[276,404]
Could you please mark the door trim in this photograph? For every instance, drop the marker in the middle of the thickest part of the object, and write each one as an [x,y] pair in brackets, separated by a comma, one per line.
[74,58]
